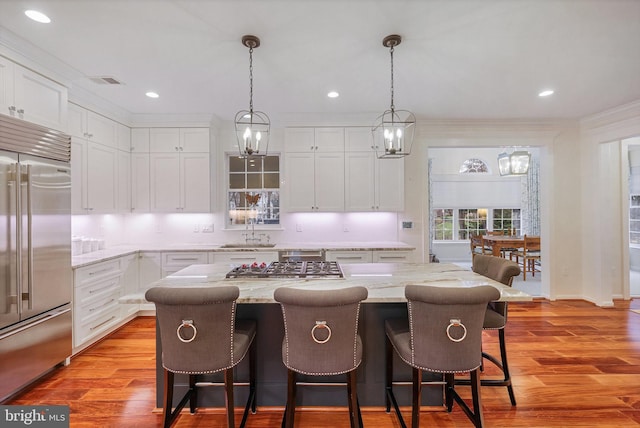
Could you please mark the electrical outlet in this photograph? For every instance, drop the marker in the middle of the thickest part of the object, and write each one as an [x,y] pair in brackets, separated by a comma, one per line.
[345,228]
[298,227]
[407,225]
[196,228]
[207,228]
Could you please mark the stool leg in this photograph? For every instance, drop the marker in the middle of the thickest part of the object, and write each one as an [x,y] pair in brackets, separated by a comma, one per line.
[352,391]
[168,398]
[505,366]
[448,390]
[228,387]
[290,411]
[478,419]
[417,398]
[193,391]
[253,358]
[388,383]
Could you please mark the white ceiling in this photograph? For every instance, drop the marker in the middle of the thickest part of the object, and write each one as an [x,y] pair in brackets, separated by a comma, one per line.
[458,58]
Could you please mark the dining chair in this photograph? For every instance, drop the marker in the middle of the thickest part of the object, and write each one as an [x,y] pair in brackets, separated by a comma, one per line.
[477,245]
[321,339]
[200,335]
[530,254]
[442,334]
[503,271]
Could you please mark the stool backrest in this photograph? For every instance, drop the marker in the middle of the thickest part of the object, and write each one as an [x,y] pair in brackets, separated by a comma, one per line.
[209,312]
[497,268]
[321,329]
[446,326]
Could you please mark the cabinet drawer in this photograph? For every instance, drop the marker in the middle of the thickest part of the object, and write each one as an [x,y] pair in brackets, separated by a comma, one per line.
[96,291]
[95,326]
[180,260]
[97,271]
[392,256]
[94,309]
[241,257]
[345,257]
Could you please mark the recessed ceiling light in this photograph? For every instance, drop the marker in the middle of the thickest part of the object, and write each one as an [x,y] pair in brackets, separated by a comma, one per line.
[152,94]
[545,93]
[333,94]
[37,16]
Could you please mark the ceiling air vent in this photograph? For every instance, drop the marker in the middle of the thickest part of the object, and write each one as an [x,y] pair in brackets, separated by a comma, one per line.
[105,80]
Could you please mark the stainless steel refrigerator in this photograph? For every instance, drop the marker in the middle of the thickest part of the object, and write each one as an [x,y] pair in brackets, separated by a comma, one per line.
[35,259]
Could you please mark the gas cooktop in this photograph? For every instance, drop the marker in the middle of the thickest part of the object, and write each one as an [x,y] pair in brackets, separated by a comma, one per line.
[289,269]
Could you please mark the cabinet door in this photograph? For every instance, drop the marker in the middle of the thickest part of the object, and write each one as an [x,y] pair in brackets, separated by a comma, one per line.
[194,140]
[195,182]
[140,140]
[77,121]
[101,178]
[390,184]
[123,137]
[300,181]
[360,181]
[102,129]
[6,86]
[164,140]
[78,176]
[299,140]
[149,269]
[392,256]
[123,179]
[165,182]
[329,139]
[44,101]
[346,257]
[139,182]
[358,139]
[329,181]
[129,280]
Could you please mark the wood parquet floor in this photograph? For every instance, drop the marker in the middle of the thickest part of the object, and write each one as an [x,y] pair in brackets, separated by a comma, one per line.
[573,365]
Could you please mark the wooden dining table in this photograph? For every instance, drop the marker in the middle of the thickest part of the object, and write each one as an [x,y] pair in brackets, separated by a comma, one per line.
[498,242]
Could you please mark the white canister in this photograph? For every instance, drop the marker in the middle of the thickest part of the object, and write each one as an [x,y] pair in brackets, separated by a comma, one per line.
[76,246]
[94,244]
[100,244]
[86,245]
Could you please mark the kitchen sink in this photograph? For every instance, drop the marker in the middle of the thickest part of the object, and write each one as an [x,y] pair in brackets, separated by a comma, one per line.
[248,246]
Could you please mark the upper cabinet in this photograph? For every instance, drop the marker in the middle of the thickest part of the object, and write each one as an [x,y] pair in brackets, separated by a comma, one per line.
[314,169]
[94,127]
[371,184]
[179,170]
[31,96]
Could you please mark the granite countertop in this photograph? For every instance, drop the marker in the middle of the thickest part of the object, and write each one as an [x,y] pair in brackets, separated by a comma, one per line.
[123,250]
[385,281]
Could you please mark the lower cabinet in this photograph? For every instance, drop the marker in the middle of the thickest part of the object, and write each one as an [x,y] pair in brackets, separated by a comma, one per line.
[392,256]
[96,309]
[242,257]
[370,256]
[173,262]
[149,271]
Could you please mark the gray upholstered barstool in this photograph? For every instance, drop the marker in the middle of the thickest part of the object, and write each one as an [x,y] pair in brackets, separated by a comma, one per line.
[200,335]
[320,339]
[501,270]
[442,334]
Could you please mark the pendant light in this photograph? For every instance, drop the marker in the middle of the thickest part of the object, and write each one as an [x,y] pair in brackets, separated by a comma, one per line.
[393,130]
[252,127]
[517,163]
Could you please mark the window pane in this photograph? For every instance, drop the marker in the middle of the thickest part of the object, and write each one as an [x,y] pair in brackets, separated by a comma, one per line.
[236,181]
[254,181]
[272,163]
[271,180]
[236,164]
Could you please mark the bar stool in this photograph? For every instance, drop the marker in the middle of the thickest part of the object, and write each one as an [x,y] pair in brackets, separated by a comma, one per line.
[501,270]
[442,334]
[321,338]
[200,335]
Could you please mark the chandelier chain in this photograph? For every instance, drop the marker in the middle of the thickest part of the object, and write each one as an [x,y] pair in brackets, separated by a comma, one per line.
[251,80]
[391,53]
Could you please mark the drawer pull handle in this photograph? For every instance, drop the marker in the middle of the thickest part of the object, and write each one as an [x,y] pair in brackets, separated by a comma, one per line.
[349,258]
[102,323]
[101,306]
[95,290]
[101,271]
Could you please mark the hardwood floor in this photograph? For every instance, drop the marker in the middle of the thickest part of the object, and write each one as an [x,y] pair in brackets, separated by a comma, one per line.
[573,365]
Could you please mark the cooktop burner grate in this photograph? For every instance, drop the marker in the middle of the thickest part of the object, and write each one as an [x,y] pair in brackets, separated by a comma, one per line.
[289,269]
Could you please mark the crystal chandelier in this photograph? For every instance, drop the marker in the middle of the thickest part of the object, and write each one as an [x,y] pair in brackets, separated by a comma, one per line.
[393,130]
[252,127]
[517,163]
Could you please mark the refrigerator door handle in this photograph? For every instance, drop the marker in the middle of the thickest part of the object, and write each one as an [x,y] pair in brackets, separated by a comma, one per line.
[29,241]
[17,180]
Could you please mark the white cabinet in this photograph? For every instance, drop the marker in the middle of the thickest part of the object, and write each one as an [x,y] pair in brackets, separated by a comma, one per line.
[94,168]
[371,184]
[346,257]
[179,170]
[94,127]
[149,271]
[96,309]
[123,181]
[242,257]
[140,163]
[392,256]
[31,96]
[129,279]
[173,262]
[314,169]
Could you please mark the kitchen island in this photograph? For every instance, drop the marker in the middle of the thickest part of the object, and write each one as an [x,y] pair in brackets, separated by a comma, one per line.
[385,282]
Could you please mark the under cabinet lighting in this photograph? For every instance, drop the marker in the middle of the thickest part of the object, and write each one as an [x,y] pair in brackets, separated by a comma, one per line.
[37,16]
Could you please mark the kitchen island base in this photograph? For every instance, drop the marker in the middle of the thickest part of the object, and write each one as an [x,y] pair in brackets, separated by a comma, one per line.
[271,387]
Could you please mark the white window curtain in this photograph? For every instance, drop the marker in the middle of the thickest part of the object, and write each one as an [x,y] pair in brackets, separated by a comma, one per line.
[530,199]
